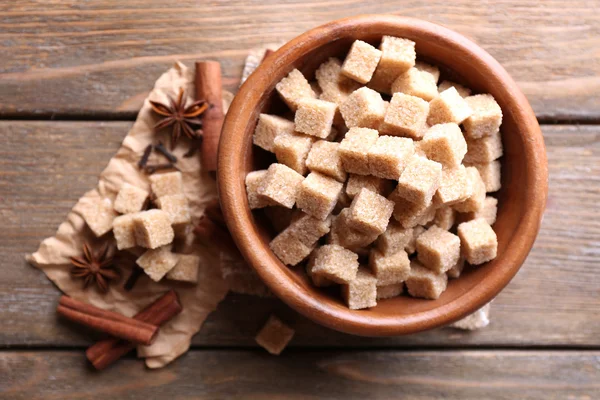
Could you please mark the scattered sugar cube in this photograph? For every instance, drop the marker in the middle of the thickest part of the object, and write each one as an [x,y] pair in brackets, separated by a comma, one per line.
[361,61]
[324,157]
[291,149]
[279,217]
[389,269]
[411,248]
[405,116]
[475,191]
[177,208]
[445,144]
[268,128]
[318,195]
[370,212]
[186,269]
[130,199]
[425,283]
[438,249]
[157,262]
[356,183]
[484,150]
[407,213]
[124,231]
[448,106]
[457,269]
[166,184]
[308,229]
[463,91]
[253,182]
[389,291]
[432,69]
[397,56]
[280,185]
[486,117]
[478,240]
[389,155]
[445,217]
[98,213]
[293,88]
[334,263]
[362,291]
[394,239]
[454,186]
[315,117]
[289,249]
[335,86]
[419,180]
[364,108]
[354,149]
[153,229]
[487,212]
[346,236]
[274,335]
[490,174]
[416,83]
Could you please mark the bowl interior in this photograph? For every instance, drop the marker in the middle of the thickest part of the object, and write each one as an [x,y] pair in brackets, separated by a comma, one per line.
[473,68]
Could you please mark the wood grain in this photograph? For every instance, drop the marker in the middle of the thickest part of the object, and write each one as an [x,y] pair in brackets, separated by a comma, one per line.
[44,168]
[213,374]
[100,58]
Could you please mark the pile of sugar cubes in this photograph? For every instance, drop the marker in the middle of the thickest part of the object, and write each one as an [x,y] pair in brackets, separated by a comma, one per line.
[152,231]
[378,195]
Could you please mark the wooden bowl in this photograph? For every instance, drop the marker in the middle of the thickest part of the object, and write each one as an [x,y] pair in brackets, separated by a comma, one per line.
[521,200]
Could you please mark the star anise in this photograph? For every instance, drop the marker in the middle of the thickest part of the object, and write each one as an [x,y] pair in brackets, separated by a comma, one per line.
[180,116]
[95,267]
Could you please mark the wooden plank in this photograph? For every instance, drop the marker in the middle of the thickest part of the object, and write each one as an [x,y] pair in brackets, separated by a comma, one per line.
[214,374]
[101,58]
[45,167]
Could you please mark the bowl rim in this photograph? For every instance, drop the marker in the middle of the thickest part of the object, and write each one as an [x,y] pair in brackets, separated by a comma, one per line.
[232,193]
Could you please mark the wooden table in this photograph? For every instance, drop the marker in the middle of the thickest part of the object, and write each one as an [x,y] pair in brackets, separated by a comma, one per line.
[72,77]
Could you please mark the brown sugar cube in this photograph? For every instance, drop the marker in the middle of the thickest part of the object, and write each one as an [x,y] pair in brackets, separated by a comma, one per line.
[397,56]
[394,239]
[432,69]
[274,335]
[448,106]
[356,183]
[268,128]
[354,150]
[445,144]
[389,269]
[462,90]
[389,155]
[362,291]
[293,88]
[486,117]
[370,212]
[280,185]
[317,280]
[98,213]
[417,231]
[124,231]
[153,229]
[334,263]
[291,149]
[478,240]
[475,191]
[405,116]
[130,199]
[315,117]
[324,157]
[445,217]
[364,108]
[158,262]
[344,201]
[454,186]
[487,212]
[361,61]
[427,216]
[346,236]
[253,182]
[177,208]
[484,150]
[318,195]
[438,249]
[186,269]
[416,83]
[289,249]
[457,269]
[389,291]
[407,213]
[419,180]
[166,184]
[308,229]
[424,283]
[490,174]
[335,86]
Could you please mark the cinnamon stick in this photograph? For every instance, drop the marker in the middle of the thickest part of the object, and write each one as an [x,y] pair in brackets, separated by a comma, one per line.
[107,351]
[209,232]
[208,87]
[107,321]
